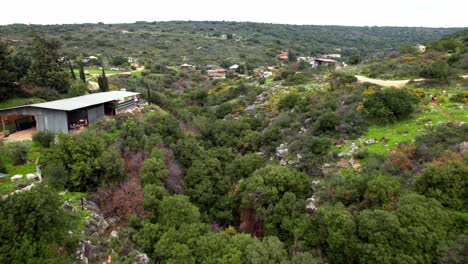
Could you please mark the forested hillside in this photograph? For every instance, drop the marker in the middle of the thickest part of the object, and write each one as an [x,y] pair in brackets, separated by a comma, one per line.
[198,43]
[305,165]
[441,59]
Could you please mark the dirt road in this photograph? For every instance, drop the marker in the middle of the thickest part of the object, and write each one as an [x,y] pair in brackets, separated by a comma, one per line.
[395,83]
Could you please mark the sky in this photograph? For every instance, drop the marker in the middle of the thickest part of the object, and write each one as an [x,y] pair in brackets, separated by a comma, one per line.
[418,13]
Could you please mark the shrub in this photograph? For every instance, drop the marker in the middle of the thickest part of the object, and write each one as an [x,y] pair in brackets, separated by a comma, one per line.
[44,138]
[460,97]
[18,151]
[289,101]
[56,175]
[338,79]
[2,167]
[389,105]
[327,122]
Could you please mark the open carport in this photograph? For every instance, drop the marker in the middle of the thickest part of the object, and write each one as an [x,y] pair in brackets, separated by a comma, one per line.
[67,115]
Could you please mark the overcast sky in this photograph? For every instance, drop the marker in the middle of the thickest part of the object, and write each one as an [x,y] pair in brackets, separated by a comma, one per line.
[426,13]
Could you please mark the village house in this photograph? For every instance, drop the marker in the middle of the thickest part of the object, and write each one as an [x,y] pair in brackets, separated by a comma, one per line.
[186,66]
[216,73]
[283,56]
[322,62]
[234,67]
[68,115]
[336,56]
[265,74]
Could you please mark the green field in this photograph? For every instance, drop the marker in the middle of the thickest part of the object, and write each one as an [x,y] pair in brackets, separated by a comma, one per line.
[96,71]
[6,185]
[389,136]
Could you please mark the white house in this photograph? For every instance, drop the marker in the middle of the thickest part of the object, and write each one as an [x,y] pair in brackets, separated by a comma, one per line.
[265,74]
[186,66]
[234,67]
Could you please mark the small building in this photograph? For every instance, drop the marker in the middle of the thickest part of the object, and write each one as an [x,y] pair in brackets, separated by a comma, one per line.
[234,67]
[335,55]
[283,56]
[321,62]
[217,73]
[265,74]
[186,66]
[70,114]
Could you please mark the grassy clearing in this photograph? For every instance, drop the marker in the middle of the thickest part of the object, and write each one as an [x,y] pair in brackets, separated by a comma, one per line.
[136,74]
[96,71]
[6,185]
[19,101]
[389,136]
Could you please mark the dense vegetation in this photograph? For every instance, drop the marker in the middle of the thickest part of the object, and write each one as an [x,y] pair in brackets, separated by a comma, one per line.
[241,170]
[442,59]
[199,43]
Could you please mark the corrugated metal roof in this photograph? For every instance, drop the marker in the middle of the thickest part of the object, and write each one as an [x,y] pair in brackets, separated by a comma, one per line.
[83,101]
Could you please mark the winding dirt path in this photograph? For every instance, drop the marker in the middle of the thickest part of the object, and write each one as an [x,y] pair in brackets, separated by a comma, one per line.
[438,108]
[395,83]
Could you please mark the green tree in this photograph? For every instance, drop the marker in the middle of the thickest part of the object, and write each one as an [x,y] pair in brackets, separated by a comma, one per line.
[44,138]
[112,167]
[177,245]
[268,185]
[102,82]
[381,190]
[28,234]
[289,100]
[8,75]
[380,235]
[46,69]
[174,211]
[268,250]
[335,229]
[354,60]
[77,88]
[286,220]
[327,123]
[243,166]
[438,70]
[148,236]
[153,195]
[56,175]
[72,71]
[154,169]
[82,73]
[424,223]
[87,160]
[207,188]
[446,182]
[18,151]
[389,105]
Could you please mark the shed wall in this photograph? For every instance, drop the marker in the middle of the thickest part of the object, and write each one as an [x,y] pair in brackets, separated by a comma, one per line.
[52,120]
[46,119]
[95,113]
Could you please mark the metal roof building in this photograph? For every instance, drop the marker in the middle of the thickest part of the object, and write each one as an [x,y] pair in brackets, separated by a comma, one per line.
[70,114]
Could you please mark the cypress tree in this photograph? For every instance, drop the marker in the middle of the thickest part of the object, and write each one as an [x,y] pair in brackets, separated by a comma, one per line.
[82,74]
[102,81]
[72,72]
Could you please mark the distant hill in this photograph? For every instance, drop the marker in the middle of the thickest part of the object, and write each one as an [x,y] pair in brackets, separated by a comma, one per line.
[445,58]
[205,42]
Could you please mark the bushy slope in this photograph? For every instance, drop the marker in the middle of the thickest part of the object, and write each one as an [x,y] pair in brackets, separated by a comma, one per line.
[216,42]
